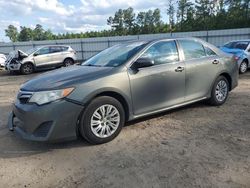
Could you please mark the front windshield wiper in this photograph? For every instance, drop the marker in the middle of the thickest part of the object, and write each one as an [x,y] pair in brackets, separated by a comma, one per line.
[91,65]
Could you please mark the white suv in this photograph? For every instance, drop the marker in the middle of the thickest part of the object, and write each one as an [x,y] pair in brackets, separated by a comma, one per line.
[40,58]
[2,60]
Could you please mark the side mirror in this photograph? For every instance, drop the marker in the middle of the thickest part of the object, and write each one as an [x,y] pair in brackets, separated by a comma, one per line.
[249,50]
[143,62]
[36,54]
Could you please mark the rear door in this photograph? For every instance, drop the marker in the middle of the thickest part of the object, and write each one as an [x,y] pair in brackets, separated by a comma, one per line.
[42,57]
[161,85]
[56,54]
[202,67]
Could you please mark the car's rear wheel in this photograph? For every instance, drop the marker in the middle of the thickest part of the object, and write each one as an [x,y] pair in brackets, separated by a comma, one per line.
[27,68]
[220,91]
[243,67]
[68,62]
[102,120]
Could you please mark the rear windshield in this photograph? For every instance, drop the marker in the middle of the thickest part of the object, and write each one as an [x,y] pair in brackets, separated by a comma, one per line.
[237,45]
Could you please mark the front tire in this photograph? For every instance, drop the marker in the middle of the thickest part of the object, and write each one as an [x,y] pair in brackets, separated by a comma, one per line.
[102,120]
[27,68]
[243,67]
[220,91]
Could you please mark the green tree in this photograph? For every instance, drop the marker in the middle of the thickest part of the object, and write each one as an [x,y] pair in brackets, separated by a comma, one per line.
[182,12]
[39,33]
[204,13]
[117,22]
[170,13]
[129,18]
[12,33]
[26,34]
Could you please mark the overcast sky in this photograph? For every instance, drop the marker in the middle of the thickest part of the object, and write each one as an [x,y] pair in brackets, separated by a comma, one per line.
[67,15]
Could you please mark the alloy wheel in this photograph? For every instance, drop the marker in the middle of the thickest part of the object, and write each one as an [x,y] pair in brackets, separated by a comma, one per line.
[221,90]
[243,67]
[105,121]
[27,68]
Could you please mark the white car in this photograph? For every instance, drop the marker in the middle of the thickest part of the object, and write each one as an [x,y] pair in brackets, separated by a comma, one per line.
[2,60]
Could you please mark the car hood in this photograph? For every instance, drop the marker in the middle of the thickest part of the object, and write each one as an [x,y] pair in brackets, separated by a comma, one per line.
[65,77]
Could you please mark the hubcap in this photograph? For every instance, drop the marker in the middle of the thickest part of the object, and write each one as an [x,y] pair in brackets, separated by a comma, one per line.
[27,68]
[67,63]
[243,67]
[221,91]
[105,121]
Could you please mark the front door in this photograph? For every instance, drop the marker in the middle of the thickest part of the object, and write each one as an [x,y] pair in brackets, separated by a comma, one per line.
[42,57]
[161,85]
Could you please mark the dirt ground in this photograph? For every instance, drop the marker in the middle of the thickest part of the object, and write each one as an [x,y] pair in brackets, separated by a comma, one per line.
[195,146]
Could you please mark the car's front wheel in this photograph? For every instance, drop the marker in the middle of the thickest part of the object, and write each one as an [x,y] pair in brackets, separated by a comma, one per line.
[243,67]
[220,91]
[102,120]
[27,68]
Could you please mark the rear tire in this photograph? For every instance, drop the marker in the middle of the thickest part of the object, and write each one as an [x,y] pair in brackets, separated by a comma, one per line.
[220,91]
[27,68]
[102,120]
[243,67]
[68,62]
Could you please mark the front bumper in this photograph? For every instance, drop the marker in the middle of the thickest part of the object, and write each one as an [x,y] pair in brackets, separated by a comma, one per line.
[52,122]
[12,66]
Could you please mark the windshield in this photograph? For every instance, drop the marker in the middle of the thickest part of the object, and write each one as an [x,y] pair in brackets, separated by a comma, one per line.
[30,51]
[115,55]
[237,45]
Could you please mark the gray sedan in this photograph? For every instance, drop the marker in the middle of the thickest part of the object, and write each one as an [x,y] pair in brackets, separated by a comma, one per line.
[122,83]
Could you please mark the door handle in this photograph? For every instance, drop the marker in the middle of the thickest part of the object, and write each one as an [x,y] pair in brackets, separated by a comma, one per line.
[216,62]
[179,69]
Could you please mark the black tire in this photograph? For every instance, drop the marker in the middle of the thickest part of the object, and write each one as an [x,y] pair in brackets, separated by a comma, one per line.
[27,68]
[243,67]
[214,101]
[68,62]
[85,122]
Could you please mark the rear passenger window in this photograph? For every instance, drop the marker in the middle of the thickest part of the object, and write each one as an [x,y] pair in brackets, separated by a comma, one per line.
[162,52]
[192,49]
[55,49]
[209,51]
[64,48]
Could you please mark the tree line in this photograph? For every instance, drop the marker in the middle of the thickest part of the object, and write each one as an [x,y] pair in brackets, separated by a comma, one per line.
[183,15]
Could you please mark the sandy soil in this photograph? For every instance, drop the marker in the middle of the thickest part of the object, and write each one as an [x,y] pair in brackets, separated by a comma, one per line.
[194,146]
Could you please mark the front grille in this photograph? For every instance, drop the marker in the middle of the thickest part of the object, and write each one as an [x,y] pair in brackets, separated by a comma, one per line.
[24,96]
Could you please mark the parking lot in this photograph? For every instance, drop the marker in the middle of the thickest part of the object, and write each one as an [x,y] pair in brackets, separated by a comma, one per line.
[194,146]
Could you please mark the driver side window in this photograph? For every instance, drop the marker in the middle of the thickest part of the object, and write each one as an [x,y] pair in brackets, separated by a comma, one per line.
[43,51]
[162,52]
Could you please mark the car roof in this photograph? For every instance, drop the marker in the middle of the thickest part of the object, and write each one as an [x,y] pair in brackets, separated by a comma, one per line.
[163,38]
[241,40]
[53,45]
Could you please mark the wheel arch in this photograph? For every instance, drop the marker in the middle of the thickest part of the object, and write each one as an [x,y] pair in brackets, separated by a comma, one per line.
[69,58]
[245,59]
[109,93]
[229,79]
[31,62]
[118,97]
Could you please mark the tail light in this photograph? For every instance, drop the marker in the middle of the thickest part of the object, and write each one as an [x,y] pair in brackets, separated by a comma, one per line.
[236,58]
[73,51]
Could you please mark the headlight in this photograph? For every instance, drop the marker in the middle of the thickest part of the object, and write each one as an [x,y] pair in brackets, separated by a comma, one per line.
[44,97]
